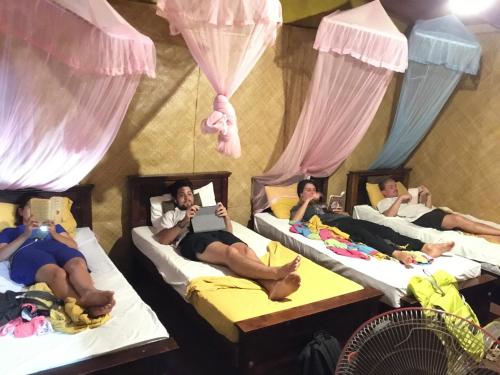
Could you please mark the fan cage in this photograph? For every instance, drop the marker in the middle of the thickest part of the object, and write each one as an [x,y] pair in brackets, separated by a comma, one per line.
[417,341]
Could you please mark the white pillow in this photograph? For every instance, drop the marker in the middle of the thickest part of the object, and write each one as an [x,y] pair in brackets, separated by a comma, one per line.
[207,197]
[156,210]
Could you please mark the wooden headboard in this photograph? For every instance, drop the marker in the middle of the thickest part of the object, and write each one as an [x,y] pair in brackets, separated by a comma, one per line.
[356,184]
[81,195]
[141,188]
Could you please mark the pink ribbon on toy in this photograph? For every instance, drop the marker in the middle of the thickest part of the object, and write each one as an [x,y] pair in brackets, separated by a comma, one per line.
[223,121]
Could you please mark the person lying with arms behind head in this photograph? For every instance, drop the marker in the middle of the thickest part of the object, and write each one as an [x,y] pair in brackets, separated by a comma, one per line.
[423,213]
[222,247]
[48,254]
[371,234]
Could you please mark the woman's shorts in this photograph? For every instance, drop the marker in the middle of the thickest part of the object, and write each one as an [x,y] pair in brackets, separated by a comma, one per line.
[27,261]
[195,243]
[433,219]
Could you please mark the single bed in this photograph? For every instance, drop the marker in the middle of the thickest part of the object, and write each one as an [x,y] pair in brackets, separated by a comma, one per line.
[389,277]
[264,344]
[134,332]
[469,246]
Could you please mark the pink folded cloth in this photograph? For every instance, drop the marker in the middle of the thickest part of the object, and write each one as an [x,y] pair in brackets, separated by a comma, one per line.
[325,234]
[39,325]
[349,253]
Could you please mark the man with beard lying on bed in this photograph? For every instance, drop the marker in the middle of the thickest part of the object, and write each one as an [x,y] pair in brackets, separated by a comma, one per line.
[51,256]
[371,234]
[423,214]
[222,247]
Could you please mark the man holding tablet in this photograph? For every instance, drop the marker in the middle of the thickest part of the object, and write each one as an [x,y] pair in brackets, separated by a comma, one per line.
[221,246]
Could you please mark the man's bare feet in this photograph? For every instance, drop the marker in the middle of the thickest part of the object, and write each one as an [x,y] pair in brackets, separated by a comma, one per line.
[437,249]
[403,257]
[288,268]
[284,287]
[97,302]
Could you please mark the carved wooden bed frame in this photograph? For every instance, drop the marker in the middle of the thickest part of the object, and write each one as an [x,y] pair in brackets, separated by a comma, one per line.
[267,343]
[81,195]
[477,290]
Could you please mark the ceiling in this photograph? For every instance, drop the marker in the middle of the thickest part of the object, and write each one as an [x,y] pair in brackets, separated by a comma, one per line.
[408,11]
[411,10]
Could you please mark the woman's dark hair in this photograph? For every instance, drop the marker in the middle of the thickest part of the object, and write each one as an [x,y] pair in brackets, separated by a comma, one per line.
[302,184]
[174,188]
[21,202]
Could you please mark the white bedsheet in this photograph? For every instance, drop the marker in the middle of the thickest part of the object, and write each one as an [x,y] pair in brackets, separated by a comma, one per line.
[179,271]
[132,322]
[468,246]
[390,277]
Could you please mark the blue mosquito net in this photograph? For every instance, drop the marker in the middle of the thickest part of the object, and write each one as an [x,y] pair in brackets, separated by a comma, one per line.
[440,51]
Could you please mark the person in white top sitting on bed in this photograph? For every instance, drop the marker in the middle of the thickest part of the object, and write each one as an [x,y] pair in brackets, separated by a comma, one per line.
[423,213]
[222,247]
[51,257]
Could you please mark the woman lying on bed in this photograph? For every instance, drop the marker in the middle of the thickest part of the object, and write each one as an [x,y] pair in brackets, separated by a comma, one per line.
[371,234]
[222,247]
[51,257]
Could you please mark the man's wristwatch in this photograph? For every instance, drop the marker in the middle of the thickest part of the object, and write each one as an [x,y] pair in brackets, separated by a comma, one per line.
[180,225]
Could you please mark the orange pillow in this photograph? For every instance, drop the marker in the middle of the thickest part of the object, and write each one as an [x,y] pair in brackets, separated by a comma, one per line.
[282,199]
[66,218]
[7,215]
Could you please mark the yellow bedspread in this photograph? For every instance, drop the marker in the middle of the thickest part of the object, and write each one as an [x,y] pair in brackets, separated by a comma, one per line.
[223,301]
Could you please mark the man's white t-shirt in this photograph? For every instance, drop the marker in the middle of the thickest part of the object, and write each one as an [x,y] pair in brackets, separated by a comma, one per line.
[169,220]
[410,212]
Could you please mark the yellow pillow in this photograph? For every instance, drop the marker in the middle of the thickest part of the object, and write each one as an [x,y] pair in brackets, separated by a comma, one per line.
[376,195]
[281,208]
[66,218]
[7,215]
[281,199]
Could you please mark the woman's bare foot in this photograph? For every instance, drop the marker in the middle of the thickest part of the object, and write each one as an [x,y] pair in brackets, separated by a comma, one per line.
[284,287]
[97,302]
[403,257]
[437,249]
[288,268]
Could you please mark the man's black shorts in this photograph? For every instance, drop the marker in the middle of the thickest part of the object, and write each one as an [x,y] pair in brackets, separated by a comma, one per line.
[433,219]
[197,242]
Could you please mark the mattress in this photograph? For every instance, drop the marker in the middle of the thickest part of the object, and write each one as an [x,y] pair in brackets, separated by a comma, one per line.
[469,246]
[178,271]
[390,277]
[132,322]
[224,301]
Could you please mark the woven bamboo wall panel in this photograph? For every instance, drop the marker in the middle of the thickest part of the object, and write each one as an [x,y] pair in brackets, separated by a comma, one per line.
[459,160]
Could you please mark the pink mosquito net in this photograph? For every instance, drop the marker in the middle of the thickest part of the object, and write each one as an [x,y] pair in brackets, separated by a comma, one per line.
[68,71]
[358,51]
[226,39]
